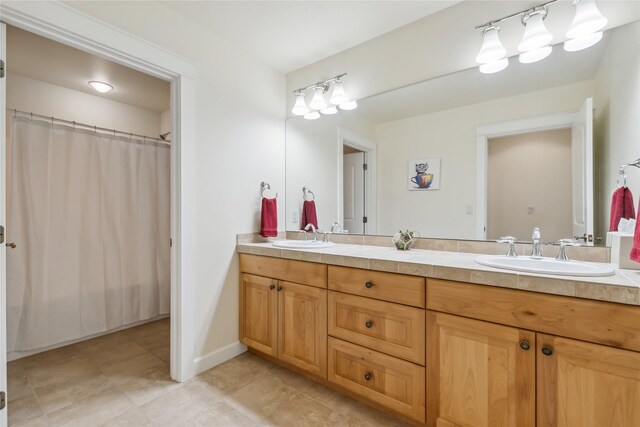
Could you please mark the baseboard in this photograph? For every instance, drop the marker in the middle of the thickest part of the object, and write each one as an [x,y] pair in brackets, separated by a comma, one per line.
[208,361]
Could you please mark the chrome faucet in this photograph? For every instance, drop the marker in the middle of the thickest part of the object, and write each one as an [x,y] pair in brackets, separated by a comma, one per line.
[335,226]
[562,253]
[512,245]
[315,232]
[304,235]
[535,251]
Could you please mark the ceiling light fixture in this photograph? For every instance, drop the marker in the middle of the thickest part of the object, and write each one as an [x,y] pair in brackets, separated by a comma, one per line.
[101,87]
[318,102]
[585,31]
[586,27]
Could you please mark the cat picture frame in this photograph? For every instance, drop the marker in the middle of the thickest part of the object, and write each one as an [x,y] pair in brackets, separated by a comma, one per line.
[423,175]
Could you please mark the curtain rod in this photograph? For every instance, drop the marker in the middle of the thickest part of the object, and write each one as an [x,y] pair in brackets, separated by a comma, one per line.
[91,127]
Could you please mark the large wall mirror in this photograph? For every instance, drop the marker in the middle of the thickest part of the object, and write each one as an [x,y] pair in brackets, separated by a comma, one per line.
[476,156]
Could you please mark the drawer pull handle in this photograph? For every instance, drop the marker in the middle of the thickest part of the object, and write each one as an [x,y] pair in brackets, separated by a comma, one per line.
[368,285]
[367,376]
[272,287]
[524,345]
[547,351]
[368,324]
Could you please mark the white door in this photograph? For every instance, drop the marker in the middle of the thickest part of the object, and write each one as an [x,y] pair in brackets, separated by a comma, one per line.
[582,171]
[353,181]
[3,223]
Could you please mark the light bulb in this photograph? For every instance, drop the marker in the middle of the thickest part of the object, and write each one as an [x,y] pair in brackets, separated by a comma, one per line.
[587,19]
[318,102]
[101,87]
[300,108]
[349,105]
[495,66]
[492,49]
[329,110]
[536,34]
[338,96]
[573,45]
[312,115]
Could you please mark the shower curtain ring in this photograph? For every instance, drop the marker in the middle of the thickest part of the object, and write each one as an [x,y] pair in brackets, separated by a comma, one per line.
[31,116]
[95,129]
[74,124]
[51,120]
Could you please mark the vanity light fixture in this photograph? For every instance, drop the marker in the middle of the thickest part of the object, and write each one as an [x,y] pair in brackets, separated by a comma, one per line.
[585,31]
[492,53]
[535,44]
[101,87]
[318,103]
[586,27]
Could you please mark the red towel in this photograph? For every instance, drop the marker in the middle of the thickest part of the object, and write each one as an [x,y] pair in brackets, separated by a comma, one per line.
[635,250]
[621,207]
[269,218]
[309,214]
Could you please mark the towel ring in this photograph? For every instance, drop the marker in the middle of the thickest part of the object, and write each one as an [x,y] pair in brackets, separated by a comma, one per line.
[265,186]
[305,191]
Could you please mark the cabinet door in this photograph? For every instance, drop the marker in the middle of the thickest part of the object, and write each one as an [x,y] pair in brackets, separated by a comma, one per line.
[479,373]
[258,313]
[583,384]
[302,323]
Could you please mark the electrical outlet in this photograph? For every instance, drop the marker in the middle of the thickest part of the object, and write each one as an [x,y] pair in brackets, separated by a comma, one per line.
[295,215]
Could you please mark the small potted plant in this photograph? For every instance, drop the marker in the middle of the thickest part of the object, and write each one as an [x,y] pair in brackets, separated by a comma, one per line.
[404,239]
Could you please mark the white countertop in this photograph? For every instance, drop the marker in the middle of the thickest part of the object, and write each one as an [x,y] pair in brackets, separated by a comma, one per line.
[623,287]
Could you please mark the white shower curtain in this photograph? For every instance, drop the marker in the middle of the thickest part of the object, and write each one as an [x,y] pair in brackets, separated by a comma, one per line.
[90,215]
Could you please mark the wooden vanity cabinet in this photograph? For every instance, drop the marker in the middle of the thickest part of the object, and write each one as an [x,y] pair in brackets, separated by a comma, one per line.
[282,319]
[479,373]
[586,385]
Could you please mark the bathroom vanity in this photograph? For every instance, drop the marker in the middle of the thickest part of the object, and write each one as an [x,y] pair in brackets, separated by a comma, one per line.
[436,339]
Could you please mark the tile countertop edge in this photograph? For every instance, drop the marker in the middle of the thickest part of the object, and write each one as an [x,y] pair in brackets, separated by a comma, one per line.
[623,287]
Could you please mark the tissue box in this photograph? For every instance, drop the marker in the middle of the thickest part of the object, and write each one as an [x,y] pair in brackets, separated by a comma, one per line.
[621,244]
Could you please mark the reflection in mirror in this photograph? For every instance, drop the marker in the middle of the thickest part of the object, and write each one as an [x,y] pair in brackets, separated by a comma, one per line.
[475,156]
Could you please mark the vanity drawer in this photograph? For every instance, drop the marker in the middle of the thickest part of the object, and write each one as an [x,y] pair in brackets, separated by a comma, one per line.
[306,273]
[393,383]
[390,328]
[408,290]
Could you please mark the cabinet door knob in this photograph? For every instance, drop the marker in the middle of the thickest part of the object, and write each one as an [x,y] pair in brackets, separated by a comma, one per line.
[368,285]
[525,345]
[368,324]
[547,351]
[272,287]
[367,376]
[279,288]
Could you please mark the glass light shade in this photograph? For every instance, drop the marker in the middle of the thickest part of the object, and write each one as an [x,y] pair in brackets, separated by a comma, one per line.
[495,66]
[535,55]
[349,105]
[338,96]
[312,115]
[573,45]
[587,20]
[101,87]
[329,110]
[318,102]
[535,35]
[300,108]
[491,50]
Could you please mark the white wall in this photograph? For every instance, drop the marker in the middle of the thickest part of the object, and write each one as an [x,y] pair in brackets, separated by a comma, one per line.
[617,119]
[451,136]
[239,143]
[38,97]
[312,160]
[526,190]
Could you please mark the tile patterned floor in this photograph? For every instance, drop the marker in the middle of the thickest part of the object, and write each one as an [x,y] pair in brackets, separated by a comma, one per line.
[122,379]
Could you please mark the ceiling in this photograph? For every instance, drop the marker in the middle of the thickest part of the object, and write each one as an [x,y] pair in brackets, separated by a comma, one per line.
[43,59]
[289,35]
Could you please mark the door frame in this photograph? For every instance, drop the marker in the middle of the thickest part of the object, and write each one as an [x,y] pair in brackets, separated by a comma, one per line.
[359,142]
[511,127]
[64,24]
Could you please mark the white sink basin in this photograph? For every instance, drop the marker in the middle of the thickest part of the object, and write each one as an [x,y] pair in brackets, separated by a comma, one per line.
[302,244]
[545,266]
